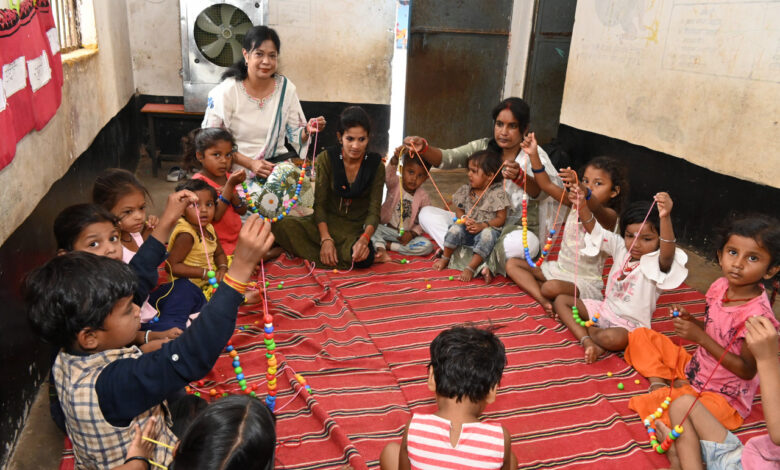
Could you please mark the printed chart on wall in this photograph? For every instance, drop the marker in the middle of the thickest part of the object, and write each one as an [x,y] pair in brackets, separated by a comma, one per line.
[698,79]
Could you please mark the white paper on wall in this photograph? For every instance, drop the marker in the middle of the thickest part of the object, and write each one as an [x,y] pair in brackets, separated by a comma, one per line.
[2,97]
[54,40]
[14,76]
[39,70]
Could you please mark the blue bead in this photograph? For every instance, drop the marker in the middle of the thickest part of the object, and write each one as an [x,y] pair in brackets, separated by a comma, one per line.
[268,329]
[675,433]
[552,232]
[236,364]
[229,348]
[240,376]
[212,281]
[156,319]
[280,217]
[454,219]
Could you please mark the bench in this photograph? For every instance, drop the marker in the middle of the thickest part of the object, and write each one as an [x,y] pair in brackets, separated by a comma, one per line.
[164,111]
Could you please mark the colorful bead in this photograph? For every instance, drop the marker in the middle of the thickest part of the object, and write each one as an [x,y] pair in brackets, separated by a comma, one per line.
[620,386]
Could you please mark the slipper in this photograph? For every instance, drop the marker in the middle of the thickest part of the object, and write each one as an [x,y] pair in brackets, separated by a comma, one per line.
[176,174]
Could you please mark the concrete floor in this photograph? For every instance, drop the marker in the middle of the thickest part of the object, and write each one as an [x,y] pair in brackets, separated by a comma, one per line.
[40,444]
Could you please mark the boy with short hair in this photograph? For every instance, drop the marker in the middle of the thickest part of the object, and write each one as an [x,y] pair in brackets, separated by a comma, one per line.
[399,230]
[466,366]
[83,303]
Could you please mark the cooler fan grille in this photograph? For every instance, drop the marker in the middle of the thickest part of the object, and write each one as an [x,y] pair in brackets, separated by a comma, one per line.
[219,32]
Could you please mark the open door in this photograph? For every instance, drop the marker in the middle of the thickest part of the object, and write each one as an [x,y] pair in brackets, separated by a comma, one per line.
[456,67]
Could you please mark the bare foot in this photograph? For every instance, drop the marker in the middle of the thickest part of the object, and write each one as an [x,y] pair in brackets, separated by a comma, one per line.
[440,264]
[467,274]
[663,431]
[252,297]
[592,351]
[548,309]
[487,275]
[274,252]
[382,256]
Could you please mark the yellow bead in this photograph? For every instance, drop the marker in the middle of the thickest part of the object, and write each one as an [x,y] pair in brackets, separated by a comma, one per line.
[609,374]
[679,429]
[637,382]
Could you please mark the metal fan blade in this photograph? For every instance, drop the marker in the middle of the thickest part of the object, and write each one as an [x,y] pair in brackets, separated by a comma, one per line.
[226,11]
[241,28]
[215,48]
[236,46]
[206,24]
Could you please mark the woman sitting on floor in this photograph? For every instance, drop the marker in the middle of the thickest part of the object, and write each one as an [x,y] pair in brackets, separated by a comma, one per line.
[347,201]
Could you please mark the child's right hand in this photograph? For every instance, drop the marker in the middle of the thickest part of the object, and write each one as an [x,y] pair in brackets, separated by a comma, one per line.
[761,338]
[686,327]
[174,208]
[254,241]
[568,176]
[664,202]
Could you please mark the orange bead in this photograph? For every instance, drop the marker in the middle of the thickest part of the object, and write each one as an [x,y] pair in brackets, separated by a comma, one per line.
[213,392]
[233,353]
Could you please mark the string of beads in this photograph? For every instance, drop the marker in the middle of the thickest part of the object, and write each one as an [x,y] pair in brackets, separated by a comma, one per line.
[243,193]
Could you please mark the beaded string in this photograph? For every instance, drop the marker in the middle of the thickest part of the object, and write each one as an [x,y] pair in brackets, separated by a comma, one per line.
[210,273]
[417,154]
[462,220]
[401,194]
[243,190]
[524,220]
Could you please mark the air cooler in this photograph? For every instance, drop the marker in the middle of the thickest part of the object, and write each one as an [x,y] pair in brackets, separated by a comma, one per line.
[211,37]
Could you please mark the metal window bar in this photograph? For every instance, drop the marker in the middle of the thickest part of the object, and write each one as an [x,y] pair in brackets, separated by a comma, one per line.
[66,16]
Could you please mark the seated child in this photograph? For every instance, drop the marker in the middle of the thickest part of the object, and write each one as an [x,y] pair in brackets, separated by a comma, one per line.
[211,149]
[748,254]
[605,181]
[645,263]
[119,192]
[705,440]
[82,303]
[234,432]
[465,369]
[484,209]
[398,221]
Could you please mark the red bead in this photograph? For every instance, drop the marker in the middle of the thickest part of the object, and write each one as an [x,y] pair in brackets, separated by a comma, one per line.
[268,319]
[272,393]
[268,336]
[269,377]
[201,383]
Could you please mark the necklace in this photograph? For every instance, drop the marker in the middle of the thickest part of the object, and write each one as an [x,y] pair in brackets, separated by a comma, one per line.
[727,300]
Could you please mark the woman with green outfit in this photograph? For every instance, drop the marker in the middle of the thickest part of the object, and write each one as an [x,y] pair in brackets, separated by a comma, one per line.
[347,201]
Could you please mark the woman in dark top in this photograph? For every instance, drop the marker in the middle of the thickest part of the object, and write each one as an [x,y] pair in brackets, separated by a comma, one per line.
[347,201]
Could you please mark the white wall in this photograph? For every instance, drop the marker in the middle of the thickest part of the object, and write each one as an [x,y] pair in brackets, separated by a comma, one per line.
[334,50]
[520,33]
[97,84]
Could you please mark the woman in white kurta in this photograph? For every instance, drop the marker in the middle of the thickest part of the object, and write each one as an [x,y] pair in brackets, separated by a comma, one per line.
[261,109]
[511,118]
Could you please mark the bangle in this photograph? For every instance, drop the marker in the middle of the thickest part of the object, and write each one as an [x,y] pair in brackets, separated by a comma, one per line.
[424,149]
[238,286]
[146,340]
[592,216]
[363,235]
[588,194]
[203,276]
[673,240]
[138,457]
[582,340]
[326,240]
[538,170]
[220,266]
[223,199]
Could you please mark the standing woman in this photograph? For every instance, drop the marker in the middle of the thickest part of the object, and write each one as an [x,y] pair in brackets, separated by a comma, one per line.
[511,118]
[260,107]
[347,201]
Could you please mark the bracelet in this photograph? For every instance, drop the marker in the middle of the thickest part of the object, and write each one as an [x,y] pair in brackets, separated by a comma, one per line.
[363,235]
[424,149]
[220,266]
[203,276]
[326,240]
[138,457]
[146,340]
[673,240]
[588,194]
[582,340]
[592,216]
[237,286]
[223,199]
[538,170]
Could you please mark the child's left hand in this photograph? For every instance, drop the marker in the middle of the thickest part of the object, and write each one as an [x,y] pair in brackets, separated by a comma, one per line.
[664,203]
[152,221]
[237,177]
[472,226]
[406,237]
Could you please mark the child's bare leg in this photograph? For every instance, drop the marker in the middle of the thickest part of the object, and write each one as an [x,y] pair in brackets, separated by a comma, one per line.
[700,425]
[468,273]
[611,339]
[388,459]
[562,305]
[381,255]
[553,288]
[527,278]
[273,253]
[442,262]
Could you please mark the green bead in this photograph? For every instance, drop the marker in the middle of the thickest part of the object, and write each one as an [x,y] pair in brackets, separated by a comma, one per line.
[197,394]
[575,310]
[211,274]
[621,386]
[242,382]
[659,449]
[224,394]
[269,355]
[271,347]
[238,370]
[253,394]
[281,284]
[243,387]
[452,278]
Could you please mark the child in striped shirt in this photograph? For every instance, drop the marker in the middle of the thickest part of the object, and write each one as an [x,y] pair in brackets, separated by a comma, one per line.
[465,369]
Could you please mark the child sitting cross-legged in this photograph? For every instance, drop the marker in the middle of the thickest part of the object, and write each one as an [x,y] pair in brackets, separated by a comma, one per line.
[82,303]
[466,366]
[399,225]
